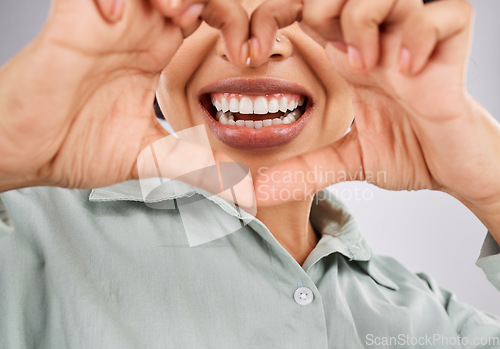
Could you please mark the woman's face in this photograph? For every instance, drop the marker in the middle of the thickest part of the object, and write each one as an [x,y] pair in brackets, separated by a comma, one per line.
[200,79]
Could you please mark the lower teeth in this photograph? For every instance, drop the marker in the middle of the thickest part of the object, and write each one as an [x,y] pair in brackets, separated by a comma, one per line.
[228,119]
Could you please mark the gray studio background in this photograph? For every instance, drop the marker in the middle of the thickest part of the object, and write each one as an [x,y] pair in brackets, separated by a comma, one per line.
[426,231]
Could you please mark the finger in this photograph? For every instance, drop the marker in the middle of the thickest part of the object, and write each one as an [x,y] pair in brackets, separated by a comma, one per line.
[431,27]
[265,22]
[226,15]
[324,18]
[361,21]
[185,14]
[171,8]
[233,22]
[311,172]
[111,10]
[190,19]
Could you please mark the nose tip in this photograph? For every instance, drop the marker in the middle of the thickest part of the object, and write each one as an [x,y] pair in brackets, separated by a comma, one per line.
[281,50]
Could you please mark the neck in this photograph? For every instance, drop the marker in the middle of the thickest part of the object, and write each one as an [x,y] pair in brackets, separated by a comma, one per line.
[289,223]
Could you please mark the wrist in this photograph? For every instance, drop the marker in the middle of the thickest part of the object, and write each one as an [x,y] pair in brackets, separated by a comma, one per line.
[492,221]
[10,183]
[488,214]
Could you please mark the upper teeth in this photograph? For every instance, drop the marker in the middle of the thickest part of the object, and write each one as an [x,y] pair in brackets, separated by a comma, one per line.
[261,105]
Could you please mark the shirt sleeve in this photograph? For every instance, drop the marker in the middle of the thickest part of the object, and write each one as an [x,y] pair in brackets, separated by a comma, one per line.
[489,260]
[476,329]
[5,221]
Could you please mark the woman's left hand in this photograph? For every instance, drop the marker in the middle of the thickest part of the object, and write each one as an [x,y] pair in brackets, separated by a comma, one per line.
[416,127]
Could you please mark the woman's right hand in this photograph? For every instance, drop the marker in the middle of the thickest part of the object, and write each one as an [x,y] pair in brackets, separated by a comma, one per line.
[76,104]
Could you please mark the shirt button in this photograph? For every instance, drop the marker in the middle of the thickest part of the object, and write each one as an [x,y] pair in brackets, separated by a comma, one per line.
[303,296]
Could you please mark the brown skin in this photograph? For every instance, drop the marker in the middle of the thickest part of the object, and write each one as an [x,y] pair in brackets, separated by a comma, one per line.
[79,97]
[201,60]
[76,103]
[415,121]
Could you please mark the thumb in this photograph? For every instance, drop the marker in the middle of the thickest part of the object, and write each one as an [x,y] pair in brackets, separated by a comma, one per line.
[111,10]
[304,175]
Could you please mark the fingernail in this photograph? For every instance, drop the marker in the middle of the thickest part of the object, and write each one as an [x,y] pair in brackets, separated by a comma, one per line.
[244,57]
[190,15]
[339,45]
[117,10]
[405,60]
[355,58]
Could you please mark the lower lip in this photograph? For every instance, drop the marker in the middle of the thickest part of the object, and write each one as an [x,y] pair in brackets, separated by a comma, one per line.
[249,138]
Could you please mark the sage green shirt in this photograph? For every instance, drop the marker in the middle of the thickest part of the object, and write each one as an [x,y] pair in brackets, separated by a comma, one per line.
[101,269]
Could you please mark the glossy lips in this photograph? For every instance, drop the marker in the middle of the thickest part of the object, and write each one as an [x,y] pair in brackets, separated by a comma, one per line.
[255,113]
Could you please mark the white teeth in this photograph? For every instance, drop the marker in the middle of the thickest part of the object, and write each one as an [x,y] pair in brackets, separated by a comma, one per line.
[228,119]
[260,106]
[234,105]
[274,106]
[284,104]
[246,106]
[288,119]
[225,105]
[267,122]
[218,115]
[243,105]
[295,114]
[217,105]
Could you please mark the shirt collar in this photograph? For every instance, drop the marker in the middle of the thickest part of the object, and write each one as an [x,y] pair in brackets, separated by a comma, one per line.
[329,217]
[131,191]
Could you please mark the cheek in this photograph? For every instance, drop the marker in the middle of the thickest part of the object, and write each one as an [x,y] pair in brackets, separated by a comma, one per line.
[332,121]
[171,103]
[339,112]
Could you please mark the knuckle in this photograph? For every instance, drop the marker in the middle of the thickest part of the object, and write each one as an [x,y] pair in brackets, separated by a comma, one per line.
[419,22]
[260,14]
[311,19]
[312,16]
[356,17]
[313,22]
[468,8]
[259,17]
[224,15]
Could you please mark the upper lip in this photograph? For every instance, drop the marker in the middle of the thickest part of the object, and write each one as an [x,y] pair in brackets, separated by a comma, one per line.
[255,86]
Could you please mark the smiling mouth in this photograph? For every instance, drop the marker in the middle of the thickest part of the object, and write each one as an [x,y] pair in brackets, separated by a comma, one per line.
[257,111]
